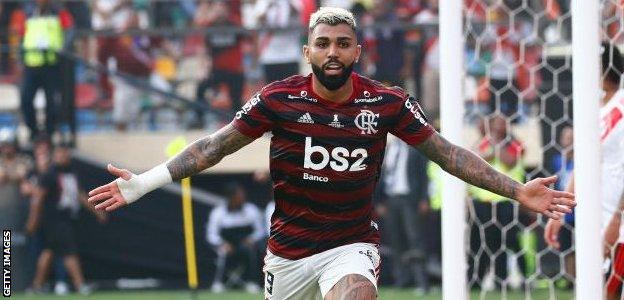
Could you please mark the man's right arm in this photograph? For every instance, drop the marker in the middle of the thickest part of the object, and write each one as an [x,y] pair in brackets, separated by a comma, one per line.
[207,152]
[202,154]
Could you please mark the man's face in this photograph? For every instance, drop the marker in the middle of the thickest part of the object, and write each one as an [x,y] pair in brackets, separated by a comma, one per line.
[238,198]
[332,51]
[498,127]
[221,9]
[62,156]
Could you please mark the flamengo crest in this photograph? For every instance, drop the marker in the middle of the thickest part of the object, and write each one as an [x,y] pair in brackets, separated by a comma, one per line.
[367,121]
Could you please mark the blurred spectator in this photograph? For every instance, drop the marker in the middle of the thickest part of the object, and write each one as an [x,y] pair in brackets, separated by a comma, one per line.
[134,56]
[493,214]
[431,78]
[72,199]
[53,221]
[223,88]
[421,53]
[405,187]
[279,51]
[384,45]
[234,229]
[563,162]
[8,11]
[14,167]
[418,12]
[502,74]
[13,170]
[108,15]
[43,36]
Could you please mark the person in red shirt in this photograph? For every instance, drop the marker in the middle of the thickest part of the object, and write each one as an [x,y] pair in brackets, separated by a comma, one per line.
[329,135]
[223,87]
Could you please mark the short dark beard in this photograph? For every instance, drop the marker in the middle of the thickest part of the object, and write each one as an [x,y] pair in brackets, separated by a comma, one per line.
[332,82]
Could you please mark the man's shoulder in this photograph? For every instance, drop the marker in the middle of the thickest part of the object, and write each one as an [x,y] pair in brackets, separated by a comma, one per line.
[376,88]
[289,84]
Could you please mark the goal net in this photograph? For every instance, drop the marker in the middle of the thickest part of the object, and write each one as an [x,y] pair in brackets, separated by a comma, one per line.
[518,108]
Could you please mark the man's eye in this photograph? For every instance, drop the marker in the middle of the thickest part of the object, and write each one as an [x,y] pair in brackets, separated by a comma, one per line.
[321,45]
[344,45]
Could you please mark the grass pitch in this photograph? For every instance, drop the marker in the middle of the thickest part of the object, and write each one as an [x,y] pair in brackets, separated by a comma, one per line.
[385,293]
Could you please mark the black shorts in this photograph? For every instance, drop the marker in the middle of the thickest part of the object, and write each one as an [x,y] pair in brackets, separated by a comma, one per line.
[60,237]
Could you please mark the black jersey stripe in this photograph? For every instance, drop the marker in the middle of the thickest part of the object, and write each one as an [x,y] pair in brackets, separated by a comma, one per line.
[331,209]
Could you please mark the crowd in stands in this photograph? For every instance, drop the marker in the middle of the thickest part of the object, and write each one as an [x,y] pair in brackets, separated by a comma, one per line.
[217,53]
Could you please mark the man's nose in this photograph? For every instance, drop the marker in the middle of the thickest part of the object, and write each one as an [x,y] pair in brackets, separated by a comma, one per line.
[332,51]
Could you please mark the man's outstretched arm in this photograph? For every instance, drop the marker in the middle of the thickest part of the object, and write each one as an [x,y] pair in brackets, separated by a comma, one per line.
[471,168]
[202,154]
[207,152]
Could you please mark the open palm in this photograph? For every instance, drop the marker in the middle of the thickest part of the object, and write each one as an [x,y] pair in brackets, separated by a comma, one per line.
[537,196]
[108,197]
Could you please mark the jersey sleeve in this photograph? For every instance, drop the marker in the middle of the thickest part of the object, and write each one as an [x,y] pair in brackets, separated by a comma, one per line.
[412,126]
[255,117]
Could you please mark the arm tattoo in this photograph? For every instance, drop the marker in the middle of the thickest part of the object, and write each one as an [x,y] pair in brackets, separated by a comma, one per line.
[468,167]
[206,152]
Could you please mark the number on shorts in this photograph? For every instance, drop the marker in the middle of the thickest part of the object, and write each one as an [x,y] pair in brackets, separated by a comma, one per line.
[269,281]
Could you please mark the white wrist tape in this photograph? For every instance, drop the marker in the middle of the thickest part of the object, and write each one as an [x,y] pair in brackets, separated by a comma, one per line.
[144,183]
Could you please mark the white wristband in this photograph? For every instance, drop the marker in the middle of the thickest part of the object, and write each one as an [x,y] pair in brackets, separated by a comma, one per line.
[144,183]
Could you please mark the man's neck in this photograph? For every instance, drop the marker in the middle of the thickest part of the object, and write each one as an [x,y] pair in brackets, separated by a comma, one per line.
[340,95]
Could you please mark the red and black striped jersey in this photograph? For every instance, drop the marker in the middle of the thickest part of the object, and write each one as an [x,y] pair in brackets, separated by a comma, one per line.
[325,158]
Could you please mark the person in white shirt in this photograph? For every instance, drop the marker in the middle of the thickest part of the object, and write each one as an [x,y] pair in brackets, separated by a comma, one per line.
[234,229]
[279,51]
[612,169]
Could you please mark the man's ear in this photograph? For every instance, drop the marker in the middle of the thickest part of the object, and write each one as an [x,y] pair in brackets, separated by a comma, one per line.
[306,53]
[358,53]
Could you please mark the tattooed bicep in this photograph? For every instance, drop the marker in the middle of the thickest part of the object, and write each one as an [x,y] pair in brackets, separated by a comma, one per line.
[207,151]
[230,139]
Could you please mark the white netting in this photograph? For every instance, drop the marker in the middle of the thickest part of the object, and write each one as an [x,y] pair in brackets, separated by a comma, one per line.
[519,89]
[519,79]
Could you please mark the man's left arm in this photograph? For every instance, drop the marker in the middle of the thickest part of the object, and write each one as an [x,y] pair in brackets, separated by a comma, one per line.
[469,167]
[612,232]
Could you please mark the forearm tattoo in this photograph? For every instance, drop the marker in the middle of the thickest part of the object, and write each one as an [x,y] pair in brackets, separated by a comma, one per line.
[468,166]
[206,152]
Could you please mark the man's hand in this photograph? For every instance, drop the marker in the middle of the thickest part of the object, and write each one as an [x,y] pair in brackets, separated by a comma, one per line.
[109,196]
[537,196]
[551,233]
[611,234]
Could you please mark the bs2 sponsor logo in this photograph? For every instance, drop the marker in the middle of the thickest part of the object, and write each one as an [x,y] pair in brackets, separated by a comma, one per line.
[336,158]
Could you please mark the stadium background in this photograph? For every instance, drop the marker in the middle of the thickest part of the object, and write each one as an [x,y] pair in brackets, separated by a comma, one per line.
[518,66]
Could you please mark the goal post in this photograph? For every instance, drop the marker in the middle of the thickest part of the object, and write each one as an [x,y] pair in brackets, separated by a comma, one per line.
[586,91]
[452,113]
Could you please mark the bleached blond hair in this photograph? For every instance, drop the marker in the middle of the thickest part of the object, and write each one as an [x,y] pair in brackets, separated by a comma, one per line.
[331,16]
